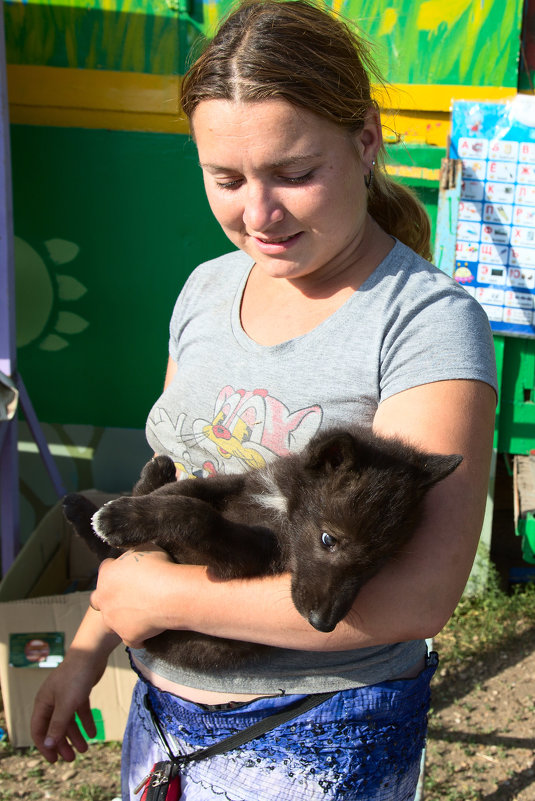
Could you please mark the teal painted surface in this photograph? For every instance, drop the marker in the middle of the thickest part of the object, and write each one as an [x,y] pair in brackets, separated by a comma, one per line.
[108,226]
[447,218]
[526,530]
[86,457]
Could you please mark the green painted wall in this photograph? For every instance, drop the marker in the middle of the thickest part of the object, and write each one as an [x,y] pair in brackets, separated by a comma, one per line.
[108,226]
[471,42]
[133,35]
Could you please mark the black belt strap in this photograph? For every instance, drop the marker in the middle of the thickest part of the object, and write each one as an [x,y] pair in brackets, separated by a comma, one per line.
[245,735]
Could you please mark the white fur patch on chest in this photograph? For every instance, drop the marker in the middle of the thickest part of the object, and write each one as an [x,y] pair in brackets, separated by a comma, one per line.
[270,495]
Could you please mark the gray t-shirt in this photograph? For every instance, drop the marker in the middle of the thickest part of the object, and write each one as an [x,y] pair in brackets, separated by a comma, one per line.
[235,404]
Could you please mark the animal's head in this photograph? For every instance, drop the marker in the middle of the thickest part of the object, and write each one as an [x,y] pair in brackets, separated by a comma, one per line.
[357,504]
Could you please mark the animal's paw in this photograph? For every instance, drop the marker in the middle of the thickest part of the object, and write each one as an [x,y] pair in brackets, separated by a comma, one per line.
[159,471]
[115,523]
[78,509]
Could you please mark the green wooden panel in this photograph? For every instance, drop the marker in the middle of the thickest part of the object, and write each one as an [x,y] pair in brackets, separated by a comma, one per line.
[108,225]
[526,77]
[517,404]
[415,157]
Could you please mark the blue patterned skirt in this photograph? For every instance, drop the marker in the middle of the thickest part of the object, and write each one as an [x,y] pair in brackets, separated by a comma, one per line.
[364,744]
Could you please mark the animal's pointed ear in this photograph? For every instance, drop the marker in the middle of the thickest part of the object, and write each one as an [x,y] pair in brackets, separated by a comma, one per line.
[435,467]
[332,451]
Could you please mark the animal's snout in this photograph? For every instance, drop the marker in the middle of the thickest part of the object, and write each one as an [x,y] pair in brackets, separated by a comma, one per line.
[317,620]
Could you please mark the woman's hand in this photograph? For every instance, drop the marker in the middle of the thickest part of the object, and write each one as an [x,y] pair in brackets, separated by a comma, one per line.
[66,691]
[130,593]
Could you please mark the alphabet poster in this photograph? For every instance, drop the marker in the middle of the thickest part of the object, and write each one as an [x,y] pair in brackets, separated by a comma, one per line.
[495,248]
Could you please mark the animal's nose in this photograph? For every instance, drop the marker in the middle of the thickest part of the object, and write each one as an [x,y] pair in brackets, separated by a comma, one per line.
[315,619]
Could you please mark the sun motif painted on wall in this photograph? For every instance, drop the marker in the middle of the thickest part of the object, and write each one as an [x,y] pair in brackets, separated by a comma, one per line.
[43,293]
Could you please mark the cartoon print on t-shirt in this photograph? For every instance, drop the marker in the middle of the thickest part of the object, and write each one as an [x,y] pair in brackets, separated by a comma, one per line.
[172,441]
[250,427]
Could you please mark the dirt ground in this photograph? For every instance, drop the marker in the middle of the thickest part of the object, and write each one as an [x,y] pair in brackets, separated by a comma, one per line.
[481,743]
[481,740]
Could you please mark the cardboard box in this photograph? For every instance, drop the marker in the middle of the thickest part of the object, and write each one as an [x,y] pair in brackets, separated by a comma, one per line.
[43,598]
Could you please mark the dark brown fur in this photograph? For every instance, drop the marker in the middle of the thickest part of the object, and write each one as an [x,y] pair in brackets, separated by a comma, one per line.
[331,516]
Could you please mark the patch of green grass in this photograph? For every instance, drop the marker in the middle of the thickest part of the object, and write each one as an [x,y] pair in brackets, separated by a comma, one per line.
[487,620]
[90,792]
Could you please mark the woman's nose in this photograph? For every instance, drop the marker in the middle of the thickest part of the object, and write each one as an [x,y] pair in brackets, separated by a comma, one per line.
[262,208]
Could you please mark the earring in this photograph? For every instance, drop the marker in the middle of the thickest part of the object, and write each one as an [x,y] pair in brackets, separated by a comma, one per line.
[369,178]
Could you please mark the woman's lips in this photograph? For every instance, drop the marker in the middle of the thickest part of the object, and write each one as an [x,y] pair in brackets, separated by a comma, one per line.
[276,244]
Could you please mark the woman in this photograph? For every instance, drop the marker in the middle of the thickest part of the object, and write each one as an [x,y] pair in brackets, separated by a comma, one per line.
[323,315]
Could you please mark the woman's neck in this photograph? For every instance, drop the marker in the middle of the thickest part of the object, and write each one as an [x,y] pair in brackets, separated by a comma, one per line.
[275,310]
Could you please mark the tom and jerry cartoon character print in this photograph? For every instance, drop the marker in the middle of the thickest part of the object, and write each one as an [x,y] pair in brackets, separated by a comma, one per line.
[247,429]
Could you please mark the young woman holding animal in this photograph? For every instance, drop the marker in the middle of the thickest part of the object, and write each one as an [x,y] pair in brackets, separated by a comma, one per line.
[325,315]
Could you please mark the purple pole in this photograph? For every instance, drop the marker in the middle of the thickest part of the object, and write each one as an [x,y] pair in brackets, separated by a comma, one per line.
[9,470]
[9,474]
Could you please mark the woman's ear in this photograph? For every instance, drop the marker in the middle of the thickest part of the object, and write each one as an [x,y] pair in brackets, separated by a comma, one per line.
[369,139]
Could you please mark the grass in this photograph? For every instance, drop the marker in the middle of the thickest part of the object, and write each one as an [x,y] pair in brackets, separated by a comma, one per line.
[487,621]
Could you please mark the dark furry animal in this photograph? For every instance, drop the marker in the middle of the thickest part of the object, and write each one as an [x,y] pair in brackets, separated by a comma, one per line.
[331,516]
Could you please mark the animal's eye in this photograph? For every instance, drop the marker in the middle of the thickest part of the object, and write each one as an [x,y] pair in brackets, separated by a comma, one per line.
[327,540]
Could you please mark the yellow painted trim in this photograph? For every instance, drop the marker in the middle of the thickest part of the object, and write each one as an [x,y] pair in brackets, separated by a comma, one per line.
[404,171]
[437,97]
[94,99]
[108,120]
[426,127]
[140,102]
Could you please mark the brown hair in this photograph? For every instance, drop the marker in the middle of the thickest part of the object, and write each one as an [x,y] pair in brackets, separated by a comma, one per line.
[296,51]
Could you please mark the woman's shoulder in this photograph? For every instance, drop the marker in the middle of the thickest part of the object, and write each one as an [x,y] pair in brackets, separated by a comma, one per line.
[435,328]
[406,261]
[418,282]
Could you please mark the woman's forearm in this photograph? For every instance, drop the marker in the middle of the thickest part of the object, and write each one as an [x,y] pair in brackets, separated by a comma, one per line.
[94,636]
